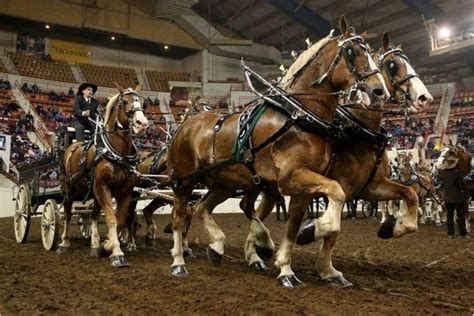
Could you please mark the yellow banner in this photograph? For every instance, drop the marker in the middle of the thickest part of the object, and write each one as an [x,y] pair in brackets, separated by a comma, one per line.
[70,51]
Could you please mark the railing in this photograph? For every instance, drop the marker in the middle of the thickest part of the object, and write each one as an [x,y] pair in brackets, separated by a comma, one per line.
[10,62]
[40,127]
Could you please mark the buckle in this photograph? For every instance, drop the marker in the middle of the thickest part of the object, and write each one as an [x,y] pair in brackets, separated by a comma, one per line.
[256,179]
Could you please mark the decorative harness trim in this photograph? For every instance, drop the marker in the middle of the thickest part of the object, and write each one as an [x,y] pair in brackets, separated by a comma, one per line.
[391,68]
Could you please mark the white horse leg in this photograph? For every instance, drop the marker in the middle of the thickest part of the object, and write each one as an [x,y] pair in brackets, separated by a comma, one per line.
[65,245]
[204,209]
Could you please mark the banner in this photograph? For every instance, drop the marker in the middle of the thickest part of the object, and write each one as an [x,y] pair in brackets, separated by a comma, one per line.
[69,51]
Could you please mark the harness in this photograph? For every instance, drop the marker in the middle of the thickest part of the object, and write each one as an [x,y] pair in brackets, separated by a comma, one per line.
[353,126]
[105,150]
[391,66]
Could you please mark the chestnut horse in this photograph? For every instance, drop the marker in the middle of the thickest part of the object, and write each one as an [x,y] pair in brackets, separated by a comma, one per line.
[456,156]
[364,152]
[290,160]
[107,166]
[420,180]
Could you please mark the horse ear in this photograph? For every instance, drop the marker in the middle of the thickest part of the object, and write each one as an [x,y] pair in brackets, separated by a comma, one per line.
[385,41]
[138,88]
[450,142]
[364,35]
[343,25]
[119,87]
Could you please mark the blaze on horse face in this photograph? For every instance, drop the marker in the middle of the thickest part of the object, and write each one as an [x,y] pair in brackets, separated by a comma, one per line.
[448,158]
[358,69]
[132,115]
[401,78]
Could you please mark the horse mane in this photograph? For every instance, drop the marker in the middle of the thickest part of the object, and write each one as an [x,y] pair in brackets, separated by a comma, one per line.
[110,105]
[303,59]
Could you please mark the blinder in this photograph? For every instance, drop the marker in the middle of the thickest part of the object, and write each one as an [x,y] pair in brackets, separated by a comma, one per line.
[392,68]
[349,53]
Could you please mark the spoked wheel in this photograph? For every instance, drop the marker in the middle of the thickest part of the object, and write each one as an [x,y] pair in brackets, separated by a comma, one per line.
[22,219]
[85,224]
[50,225]
[368,209]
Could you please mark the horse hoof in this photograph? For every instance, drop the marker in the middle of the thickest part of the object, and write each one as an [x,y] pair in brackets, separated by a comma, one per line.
[179,271]
[289,281]
[188,253]
[339,281]
[99,252]
[259,266]
[62,250]
[168,229]
[306,235]
[151,242]
[119,262]
[131,248]
[263,252]
[386,229]
[214,257]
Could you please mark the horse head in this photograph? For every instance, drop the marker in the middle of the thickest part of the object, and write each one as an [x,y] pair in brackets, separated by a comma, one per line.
[129,114]
[401,79]
[404,166]
[339,66]
[452,156]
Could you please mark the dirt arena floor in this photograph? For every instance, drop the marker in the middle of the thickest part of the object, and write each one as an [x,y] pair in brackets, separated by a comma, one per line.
[424,273]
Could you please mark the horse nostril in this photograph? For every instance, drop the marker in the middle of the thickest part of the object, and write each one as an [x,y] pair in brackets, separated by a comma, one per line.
[138,122]
[378,92]
[423,99]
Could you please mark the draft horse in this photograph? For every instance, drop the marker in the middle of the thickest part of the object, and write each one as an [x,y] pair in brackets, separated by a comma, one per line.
[104,170]
[362,149]
[290,152]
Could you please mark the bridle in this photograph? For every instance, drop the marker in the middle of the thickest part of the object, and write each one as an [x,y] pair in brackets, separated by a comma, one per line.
[391,67]
[347,51]
[136,107]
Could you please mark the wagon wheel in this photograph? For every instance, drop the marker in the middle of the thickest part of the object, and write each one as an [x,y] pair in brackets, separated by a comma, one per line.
[22,217]
[50,225]
[367,209]
[85,224]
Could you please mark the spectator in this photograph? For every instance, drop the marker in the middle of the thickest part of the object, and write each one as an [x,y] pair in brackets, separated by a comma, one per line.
[455,193]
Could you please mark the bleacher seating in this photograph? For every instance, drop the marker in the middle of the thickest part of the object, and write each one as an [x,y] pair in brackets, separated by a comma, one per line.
[158,80]
[106,76]
[34,66]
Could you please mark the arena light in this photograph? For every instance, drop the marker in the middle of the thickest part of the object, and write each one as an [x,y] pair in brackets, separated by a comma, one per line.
[166,47]
[444,32]
[112,38]
[47,26]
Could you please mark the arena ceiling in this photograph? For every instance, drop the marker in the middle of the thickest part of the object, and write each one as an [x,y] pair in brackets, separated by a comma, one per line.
[285,24]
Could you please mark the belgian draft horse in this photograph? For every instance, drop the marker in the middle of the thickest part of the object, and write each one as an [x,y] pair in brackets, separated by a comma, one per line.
[358,153]
[456,156]
[422,182]
[107,166]
[293,164]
